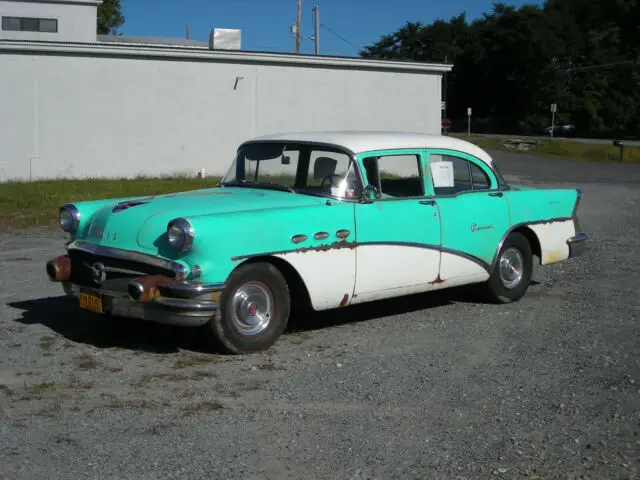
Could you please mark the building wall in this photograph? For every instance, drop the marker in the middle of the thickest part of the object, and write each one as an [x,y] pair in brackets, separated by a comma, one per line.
[120,116]
[76,20]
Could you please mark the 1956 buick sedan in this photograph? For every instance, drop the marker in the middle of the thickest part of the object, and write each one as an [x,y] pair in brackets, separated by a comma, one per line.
[316,220]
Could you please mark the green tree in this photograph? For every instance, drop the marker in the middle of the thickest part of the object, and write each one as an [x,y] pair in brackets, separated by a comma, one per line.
[512,63]
[110,17]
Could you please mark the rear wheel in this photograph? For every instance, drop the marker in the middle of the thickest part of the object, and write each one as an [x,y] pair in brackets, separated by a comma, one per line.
[511,276]
[254,309]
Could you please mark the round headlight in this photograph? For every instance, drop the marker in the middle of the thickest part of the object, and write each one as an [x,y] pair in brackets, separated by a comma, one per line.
[69,218]
[180,234]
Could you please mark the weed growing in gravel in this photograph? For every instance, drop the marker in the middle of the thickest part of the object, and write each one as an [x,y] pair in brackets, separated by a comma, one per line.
[85,361]
[201,407]
[148,378]
[193,360]
[47,341]
[38,389]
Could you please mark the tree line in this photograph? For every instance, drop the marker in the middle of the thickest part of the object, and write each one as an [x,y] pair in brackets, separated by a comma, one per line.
[512,63]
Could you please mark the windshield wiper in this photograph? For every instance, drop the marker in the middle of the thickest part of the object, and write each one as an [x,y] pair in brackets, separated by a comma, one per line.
[254,184]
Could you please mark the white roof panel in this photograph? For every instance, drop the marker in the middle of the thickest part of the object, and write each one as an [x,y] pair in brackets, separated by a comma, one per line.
[359,141]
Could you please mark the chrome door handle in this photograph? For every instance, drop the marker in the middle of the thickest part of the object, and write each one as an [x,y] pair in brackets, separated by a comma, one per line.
[427,202]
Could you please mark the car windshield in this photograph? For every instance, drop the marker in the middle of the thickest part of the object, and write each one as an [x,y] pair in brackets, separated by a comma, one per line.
[298,168]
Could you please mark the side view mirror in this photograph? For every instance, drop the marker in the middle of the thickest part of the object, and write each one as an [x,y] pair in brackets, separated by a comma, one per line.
[370,194]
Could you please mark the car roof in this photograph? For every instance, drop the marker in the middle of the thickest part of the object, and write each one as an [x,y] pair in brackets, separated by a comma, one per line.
[359,141]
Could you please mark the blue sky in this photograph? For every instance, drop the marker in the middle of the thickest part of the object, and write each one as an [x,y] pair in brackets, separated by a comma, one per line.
[266,24]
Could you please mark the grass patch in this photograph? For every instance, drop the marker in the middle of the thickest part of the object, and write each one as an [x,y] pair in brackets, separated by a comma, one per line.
[24,204]
[561,148]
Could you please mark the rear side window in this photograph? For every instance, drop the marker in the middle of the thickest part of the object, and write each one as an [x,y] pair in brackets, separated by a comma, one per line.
[451,175]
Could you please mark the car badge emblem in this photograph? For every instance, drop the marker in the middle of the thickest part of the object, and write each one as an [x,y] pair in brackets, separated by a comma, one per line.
[99,273]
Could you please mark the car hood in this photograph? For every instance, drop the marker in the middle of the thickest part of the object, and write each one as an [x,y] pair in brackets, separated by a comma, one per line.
[139,222]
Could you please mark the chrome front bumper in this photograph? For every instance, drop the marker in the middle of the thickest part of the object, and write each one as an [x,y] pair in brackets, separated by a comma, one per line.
[577,245]
[186,312]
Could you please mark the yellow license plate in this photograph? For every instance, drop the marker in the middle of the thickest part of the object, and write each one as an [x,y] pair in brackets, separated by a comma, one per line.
[91,302]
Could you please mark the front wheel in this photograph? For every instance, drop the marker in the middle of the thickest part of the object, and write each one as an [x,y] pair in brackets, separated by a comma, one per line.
[511,276]
[254,309]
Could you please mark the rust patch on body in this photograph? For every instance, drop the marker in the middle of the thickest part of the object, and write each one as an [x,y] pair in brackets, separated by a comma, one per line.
[437,281]
[555,256]
[59,269]
[215,297]
[344,300]
[149,286]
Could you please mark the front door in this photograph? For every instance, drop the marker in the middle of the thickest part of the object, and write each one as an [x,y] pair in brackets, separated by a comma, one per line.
[398,235]
[474,214]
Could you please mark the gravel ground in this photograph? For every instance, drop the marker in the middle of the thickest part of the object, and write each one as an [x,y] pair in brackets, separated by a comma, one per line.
[428,386]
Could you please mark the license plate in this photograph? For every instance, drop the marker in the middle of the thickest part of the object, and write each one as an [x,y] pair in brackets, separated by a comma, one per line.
[90,301]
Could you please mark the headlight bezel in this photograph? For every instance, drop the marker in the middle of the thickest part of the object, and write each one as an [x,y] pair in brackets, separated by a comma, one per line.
[74,216]
[187,232]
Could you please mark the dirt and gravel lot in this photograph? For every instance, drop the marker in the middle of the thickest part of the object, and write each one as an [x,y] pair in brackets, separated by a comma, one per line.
[429,386]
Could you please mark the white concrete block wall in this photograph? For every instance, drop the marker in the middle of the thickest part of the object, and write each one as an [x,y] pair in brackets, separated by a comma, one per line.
[120,116]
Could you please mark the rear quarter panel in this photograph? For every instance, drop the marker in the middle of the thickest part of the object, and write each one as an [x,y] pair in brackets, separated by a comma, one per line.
[549,214]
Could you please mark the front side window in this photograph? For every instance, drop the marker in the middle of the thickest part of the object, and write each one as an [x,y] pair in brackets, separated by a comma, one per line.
[298,168]
[29,24]
[451,175]
[395,176]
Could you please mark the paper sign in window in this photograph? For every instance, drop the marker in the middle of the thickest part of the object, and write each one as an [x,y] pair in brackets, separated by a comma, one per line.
[442,174]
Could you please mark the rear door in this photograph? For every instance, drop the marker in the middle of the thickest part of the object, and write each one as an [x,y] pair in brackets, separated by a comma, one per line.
[474,213]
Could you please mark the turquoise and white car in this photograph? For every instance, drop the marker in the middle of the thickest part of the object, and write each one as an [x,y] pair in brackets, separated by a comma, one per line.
[317,220]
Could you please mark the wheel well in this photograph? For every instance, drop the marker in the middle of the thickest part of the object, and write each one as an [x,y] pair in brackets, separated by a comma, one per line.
[531,236]
[300,299]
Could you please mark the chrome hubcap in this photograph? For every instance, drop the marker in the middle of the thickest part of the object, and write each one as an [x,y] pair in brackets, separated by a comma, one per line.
[511,267]
[252,308]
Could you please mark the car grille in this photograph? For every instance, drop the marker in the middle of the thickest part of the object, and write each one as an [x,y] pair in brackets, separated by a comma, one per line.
[117,272]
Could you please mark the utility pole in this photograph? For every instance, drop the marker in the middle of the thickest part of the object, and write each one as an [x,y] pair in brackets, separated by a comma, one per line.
[316,35]
[298,27]
[187,32]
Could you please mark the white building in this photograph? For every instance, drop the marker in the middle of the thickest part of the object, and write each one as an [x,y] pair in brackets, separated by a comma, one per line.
[74,104]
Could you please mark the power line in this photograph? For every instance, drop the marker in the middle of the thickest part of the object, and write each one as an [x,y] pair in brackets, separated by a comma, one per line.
[599,66]
[339,36]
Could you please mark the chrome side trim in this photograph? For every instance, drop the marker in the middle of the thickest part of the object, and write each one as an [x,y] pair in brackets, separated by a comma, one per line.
[179,270]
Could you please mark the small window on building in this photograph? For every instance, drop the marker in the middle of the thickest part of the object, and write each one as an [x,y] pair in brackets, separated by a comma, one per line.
[24,24]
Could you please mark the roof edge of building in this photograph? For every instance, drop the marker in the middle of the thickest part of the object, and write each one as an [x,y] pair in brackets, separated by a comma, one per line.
[201,54]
